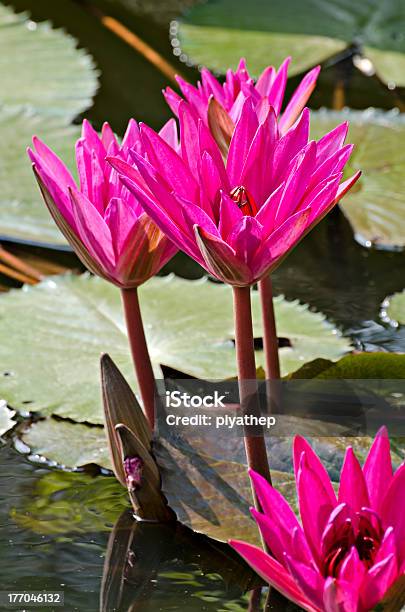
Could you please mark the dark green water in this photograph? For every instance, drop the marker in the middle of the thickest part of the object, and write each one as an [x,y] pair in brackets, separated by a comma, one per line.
[330,271]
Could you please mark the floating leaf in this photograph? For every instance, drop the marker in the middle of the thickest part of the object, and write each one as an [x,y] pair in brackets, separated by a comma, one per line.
[217,33]
[41,68]
[393,309]
[23,213]
[6,418]
[68,444]
[375,206]
[52,336]
[361,366]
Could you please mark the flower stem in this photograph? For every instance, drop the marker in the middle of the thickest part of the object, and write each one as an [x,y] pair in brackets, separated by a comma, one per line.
[270,341]
[140,353]
[245,355]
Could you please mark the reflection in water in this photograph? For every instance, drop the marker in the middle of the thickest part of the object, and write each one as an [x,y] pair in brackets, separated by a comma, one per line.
[144,561]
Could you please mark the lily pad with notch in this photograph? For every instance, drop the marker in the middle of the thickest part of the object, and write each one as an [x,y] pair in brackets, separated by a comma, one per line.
[53,334]
[216,33]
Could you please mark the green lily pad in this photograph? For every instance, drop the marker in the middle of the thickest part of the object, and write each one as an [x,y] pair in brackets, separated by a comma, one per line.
[23,213]
[52,335]
[216,33]
[361,366]
[41,68]
[6,418]
[375,205]
[393,309]
[68,444]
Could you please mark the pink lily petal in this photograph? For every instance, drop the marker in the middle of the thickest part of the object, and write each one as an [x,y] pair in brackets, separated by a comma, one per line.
[170,166]
[327,205]
[335,163]
[321,197]
[212,86]
[108,138]
[276,94]
[377,582]
[392,509]
[236,108]
[378,469]
[53,164]
[273,504]
[93,230]
[59,197]
[289,146]
[142,253]
[308,580]
[296,183]
[265,81]
[300,445]
[315,503]
[169,134]
[346,185]
[353,569]
[120,219]
[132,136]
[98,186]
[220,259]
[257,177]
[92,140]
[299,99]
[207,144]
[173,100]
[275,535]
[229,215]
[300,549]
[167,225]
[212,183]
[273,572]
[331,142]
[193,96]
[131,171]
[245,130]
[280,242]
[353,488]
[189,137]
[387,546]
[194,215]
[245,239]
[339,596]
[338,519]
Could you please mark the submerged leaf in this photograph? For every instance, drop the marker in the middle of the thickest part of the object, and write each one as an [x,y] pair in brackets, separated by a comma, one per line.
[69,503]
[51,337]
[218,33]
[42,68]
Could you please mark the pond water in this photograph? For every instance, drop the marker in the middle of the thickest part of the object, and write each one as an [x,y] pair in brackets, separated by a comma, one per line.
[45,546]
[330,271]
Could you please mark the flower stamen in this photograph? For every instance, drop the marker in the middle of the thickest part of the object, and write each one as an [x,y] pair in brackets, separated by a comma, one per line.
[244,200]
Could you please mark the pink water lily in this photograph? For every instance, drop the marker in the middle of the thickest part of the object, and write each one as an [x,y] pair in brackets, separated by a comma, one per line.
[349,548]
[100,218]
[239,86]
[241,217]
